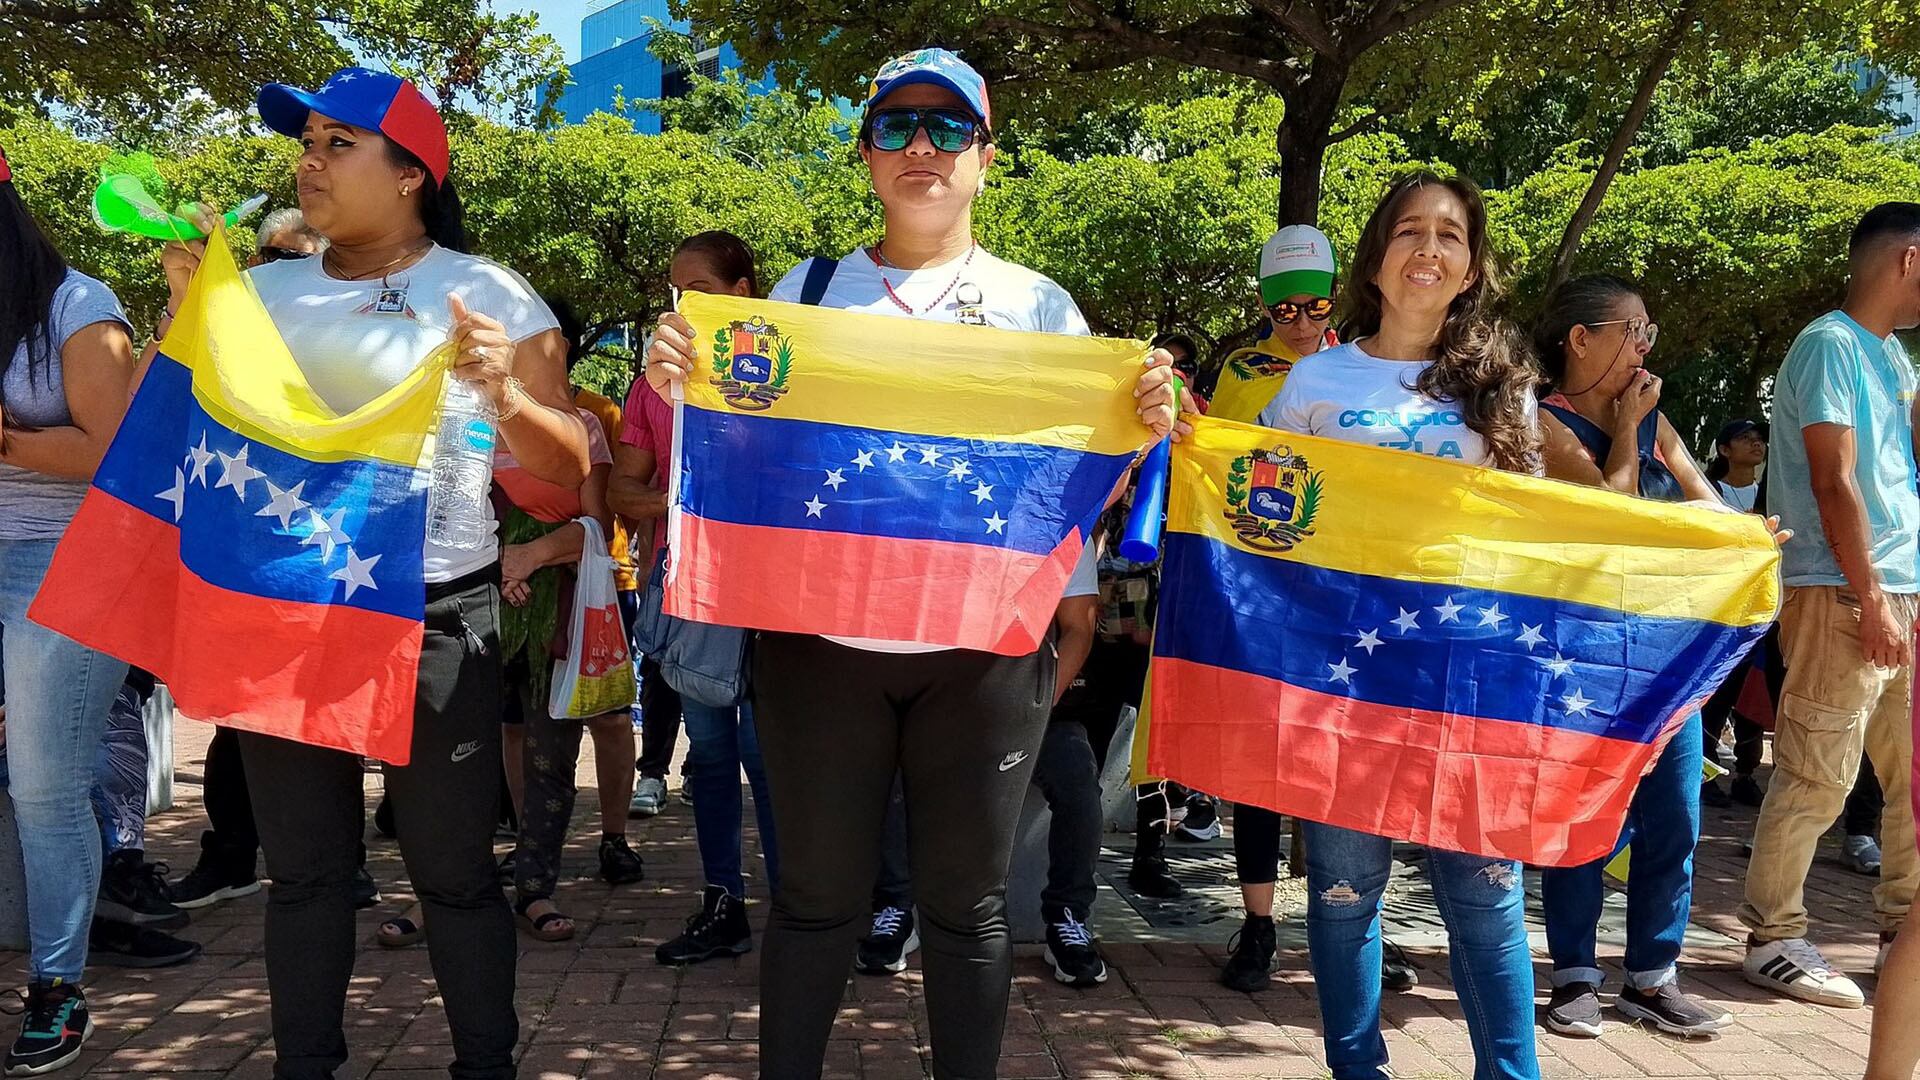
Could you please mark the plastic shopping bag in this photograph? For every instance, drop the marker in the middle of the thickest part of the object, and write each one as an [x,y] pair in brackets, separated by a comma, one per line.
[596,677]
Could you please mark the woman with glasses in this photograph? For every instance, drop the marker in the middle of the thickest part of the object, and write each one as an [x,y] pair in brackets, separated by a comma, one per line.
[1296,292]
[1602,429]
[961,728]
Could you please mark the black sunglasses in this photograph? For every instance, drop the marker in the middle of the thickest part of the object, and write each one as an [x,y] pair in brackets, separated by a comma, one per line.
[275,254]
[1318,310]
[950,130]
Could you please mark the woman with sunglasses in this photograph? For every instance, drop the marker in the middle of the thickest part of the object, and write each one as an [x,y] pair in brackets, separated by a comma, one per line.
[1602,429]
[961,728]
[1427,369]
[1296,291]
[395,285]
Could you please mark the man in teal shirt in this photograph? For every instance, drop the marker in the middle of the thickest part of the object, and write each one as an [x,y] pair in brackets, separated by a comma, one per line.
[1842,478]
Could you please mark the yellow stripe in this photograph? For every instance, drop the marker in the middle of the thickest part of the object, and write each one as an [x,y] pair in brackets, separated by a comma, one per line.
[1407,516]
[926,378]
[246,379]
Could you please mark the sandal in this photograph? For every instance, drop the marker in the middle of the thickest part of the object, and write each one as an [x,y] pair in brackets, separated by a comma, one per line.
[546,926]
[401,931]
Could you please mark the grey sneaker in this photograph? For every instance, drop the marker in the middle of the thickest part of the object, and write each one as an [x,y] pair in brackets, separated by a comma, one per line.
[1861,854]
[649,795]
[1575,1010]
[1673,1012]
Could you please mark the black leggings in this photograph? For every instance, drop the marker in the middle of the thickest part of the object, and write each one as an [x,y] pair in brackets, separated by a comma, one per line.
[1256,844]
[311,811]
[962,730]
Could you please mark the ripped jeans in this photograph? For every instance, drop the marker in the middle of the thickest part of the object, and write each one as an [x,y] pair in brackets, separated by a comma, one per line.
[1483,904]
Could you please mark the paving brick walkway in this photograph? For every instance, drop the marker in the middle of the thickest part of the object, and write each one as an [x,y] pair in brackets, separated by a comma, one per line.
[599,1007]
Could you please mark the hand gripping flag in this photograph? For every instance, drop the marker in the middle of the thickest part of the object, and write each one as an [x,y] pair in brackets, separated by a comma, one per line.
[255,551]
[872,476]
[1413,648]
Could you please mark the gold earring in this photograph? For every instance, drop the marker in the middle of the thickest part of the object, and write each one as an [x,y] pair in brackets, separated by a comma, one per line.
[405,191]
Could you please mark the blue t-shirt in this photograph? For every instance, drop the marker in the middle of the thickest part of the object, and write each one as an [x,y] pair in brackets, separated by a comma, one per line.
[1837,372]
[35,506]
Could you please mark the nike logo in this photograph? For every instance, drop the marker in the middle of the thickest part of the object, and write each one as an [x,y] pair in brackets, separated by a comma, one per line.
[1012,759]
[466,750]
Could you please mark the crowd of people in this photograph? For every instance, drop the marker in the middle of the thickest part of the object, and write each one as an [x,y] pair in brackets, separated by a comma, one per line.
[904,845]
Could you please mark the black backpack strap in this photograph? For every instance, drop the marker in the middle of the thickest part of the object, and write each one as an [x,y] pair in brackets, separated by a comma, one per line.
[819,274]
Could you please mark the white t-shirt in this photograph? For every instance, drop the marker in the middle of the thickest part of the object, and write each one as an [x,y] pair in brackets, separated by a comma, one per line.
[1740,498]
[980,289]
[1343,393]
[354,340]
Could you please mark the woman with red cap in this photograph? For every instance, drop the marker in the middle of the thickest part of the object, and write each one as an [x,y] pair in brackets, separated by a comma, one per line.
[395,284]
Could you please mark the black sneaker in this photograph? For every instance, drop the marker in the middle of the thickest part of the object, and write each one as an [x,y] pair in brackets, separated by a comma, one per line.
[719,928]
[1202,822]
[366,892]
[1747,792]
[53,1029]
[134,891]
[1673,1012]
[220,874]
[1149,878]
[620,864]
[1249,968]
[1396,971]
[885,949]
[1070,950]
[1575,1010]
[114,944]
[1711,795]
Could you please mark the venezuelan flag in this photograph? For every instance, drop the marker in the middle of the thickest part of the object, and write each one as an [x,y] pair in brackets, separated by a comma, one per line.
[255,551]
[1414,648]
[866,476]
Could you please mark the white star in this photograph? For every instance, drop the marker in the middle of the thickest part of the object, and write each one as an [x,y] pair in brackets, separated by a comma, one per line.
[1370,640]
[346,77]
[235,472]
[1559,665]
[814,506]
[326,532]
[1576,702]
[896,454]
[177,494]
[929,456]
[202,457]
[1530,636]
[835,477]
[982,491]
[996,524]
[358,573]
[284,504]
[864,459]
[1492,616]
[1342,672]
[1449,611]
[1407,622]
[960,470]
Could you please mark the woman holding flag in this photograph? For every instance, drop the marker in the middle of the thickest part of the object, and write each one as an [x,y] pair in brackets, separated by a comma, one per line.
[1427,368]
[394,286]
[960,727]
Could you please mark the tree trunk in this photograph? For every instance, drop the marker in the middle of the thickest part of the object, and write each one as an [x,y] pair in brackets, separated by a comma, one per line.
[1656,70]
[1304,135]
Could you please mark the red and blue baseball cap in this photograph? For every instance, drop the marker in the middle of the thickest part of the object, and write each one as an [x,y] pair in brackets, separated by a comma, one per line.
[368,99]
[935,67]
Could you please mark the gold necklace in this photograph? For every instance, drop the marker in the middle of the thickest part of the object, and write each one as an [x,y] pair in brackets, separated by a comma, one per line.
[343,275]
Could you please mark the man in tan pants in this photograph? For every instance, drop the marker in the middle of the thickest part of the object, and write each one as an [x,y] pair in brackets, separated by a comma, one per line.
[1842,479]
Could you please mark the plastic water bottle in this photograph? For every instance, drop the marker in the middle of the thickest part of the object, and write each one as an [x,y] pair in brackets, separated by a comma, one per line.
[462,469]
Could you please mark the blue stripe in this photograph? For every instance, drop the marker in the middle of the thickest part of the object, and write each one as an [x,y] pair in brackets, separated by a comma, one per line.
[1287,620]
[830,478]
[378,509]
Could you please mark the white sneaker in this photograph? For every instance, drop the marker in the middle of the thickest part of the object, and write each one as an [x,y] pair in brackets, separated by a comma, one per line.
[649,795]
[1795,968]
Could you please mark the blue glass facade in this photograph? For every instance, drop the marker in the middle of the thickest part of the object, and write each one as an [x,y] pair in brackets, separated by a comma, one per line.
[615,58]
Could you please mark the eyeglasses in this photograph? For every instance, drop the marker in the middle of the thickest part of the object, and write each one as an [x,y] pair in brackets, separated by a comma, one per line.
[1646,331]
[275,254]
[949,130]
[1319,309]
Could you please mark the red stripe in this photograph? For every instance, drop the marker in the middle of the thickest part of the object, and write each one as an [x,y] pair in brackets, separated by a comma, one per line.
[1546,796]
[800,581]
[330,676]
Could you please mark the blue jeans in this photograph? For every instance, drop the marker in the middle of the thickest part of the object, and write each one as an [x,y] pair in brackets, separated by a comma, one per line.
[58,694]
[1664,820]
[1483,904]
[720,742]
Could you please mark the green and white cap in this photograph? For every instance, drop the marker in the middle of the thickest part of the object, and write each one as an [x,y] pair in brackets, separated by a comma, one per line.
[1298,259]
